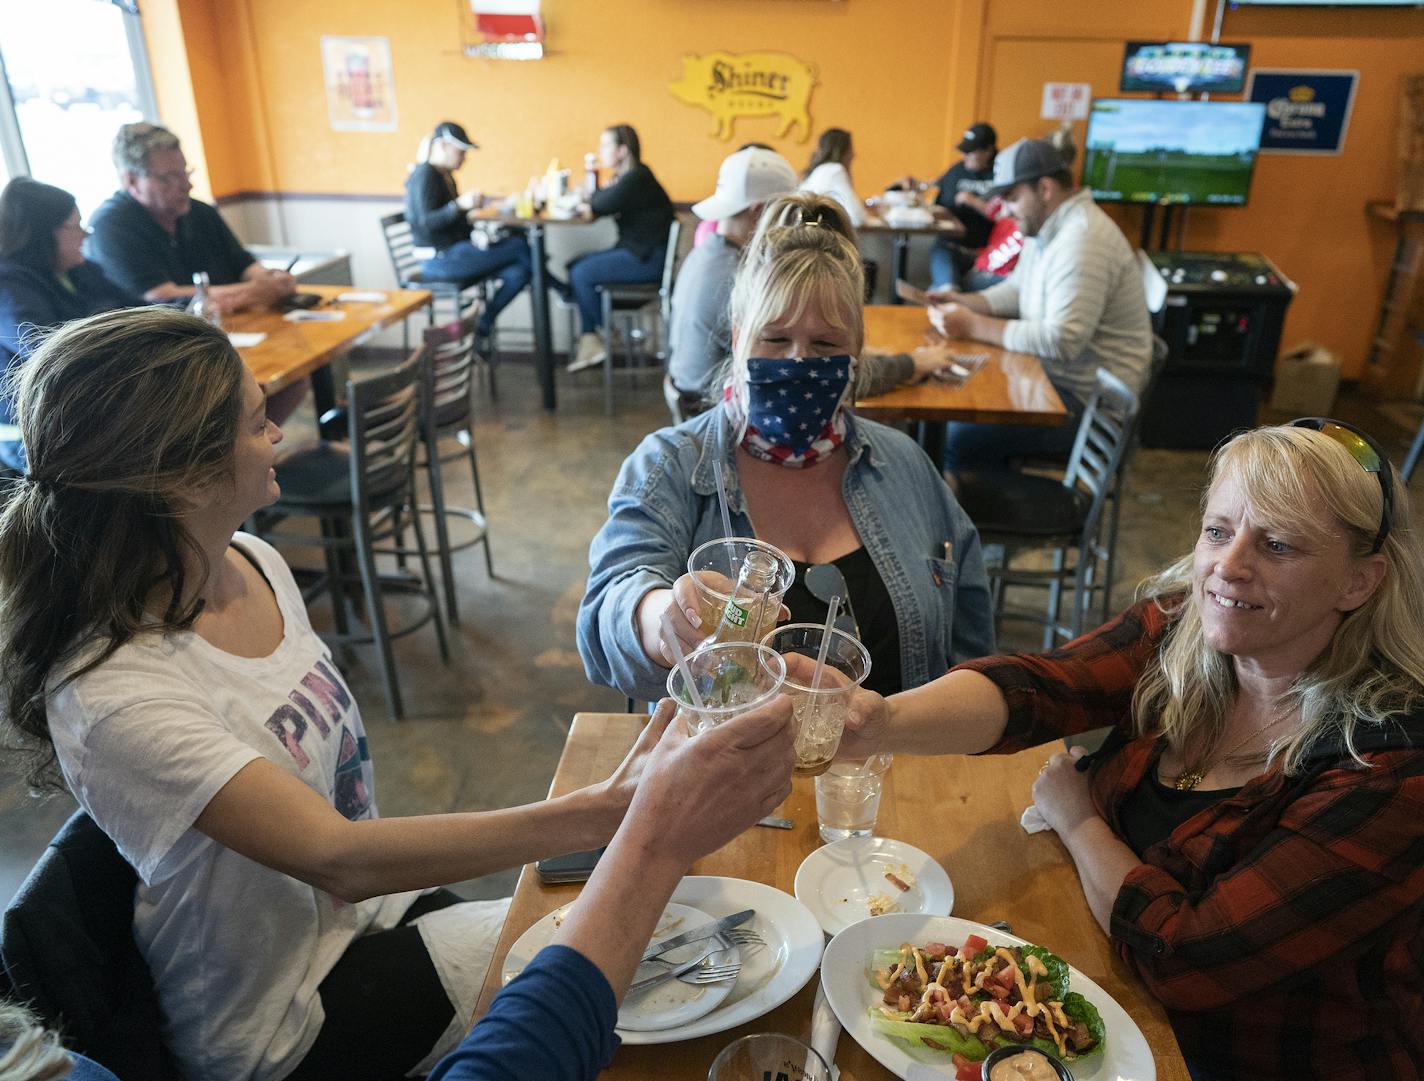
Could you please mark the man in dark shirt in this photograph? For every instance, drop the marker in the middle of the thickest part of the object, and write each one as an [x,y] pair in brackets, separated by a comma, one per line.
[151,236]
[964,191]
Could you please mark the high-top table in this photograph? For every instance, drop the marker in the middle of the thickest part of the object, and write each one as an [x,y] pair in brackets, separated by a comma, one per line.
[293,350]
[875,223]
[962,811]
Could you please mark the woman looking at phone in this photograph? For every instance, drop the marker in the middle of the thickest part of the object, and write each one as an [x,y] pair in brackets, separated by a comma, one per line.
[810,478]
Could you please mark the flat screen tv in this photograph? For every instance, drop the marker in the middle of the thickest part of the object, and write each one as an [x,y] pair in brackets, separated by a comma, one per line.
[1188,152]
[1184,67]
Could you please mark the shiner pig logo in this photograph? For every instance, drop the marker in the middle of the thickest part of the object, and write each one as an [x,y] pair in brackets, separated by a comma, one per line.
[729,85]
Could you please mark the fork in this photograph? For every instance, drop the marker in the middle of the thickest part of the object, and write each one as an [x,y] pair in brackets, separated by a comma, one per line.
[712,973]
[717,944]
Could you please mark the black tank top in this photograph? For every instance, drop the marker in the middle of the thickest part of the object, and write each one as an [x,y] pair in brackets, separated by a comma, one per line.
[874,614]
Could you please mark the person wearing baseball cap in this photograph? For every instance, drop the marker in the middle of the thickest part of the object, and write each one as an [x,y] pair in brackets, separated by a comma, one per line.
[1075,301]
[441,222]
[699,335]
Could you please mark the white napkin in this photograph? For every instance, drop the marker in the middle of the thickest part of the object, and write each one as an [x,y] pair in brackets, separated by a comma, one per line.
[1033,821]
[246,339]
[302,315]
[825,1030]
[362,296]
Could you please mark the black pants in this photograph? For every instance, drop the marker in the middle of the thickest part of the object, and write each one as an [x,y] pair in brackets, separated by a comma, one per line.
[385,1006]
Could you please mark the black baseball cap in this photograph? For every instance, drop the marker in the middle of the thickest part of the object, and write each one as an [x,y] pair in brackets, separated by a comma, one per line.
[448,129]
[978,137]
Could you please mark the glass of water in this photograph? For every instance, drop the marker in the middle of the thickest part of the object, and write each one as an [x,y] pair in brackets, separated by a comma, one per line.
[730,677]
[848,797]
[768,1055]
[820,710]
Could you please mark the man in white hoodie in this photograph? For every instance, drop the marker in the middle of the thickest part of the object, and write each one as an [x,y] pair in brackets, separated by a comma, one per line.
[1075,301]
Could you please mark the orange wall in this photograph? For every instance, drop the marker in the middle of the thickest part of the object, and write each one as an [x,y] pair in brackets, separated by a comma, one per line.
[905,76]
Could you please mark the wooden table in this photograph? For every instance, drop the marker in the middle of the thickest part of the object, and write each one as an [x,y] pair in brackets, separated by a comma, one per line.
[951,228]
[1011,388]
[292,351]
[962,811]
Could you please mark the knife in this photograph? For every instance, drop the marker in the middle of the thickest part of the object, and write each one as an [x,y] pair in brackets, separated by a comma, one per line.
[707,930]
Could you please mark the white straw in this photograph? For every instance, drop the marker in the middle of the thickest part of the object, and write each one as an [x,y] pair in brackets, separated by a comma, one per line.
[826,631]
[687,681]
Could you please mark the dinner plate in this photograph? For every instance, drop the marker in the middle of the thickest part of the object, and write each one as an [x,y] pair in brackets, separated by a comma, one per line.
[845,975]
[770,975]
[851,880]
[670,1003]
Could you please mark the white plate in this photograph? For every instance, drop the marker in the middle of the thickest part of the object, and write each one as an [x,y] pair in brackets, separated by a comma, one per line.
[670,1003]
[770,974]
[844,882]
[846,978]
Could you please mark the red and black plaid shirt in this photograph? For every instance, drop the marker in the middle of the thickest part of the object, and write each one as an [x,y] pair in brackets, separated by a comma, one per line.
[1280,927]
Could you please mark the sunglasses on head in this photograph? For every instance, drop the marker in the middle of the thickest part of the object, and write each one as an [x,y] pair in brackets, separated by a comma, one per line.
[1371,458]
[824,581]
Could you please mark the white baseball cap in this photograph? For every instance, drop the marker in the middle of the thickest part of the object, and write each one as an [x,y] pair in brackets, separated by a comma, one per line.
[748,177]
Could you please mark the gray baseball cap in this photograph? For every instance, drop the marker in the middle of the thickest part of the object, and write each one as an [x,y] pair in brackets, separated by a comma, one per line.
[1027,159]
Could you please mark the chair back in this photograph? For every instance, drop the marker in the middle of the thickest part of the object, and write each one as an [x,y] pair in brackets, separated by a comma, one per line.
[385,413]
[69,953]
[400,245]
[449,376]
[1104,435]
[669,268]
[1154,286]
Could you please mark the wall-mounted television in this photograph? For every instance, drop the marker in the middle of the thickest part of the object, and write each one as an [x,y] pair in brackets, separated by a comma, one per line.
[1184,67]
[1139,150]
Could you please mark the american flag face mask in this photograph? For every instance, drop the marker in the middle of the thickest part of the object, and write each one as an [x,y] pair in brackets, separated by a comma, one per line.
[794,407]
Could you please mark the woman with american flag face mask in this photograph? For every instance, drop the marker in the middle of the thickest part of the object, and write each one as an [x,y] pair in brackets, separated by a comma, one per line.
[801,472]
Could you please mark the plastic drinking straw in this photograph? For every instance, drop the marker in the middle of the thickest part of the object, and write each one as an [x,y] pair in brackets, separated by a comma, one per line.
[831,613]
[732,569]
[682,666]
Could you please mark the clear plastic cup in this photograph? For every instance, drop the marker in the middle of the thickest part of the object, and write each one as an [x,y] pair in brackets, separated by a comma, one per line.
[731,678]
[820,713]
[768,1054]
[714,567]
[848,798]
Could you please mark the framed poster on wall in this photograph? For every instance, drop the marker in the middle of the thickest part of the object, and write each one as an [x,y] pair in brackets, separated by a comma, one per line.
[360,85]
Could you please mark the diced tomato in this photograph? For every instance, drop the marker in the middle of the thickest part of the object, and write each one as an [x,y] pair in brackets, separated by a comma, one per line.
[974,945]
[970,1071]
[1023,1026]
[1005,978]
[935,951]
[995,988]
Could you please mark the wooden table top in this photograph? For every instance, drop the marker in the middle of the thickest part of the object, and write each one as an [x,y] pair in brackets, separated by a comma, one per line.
[876,223]
[962,811]
[1011,388]
[292,351]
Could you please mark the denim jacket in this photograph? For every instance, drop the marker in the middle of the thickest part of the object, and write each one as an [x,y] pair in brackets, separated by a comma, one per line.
[664,504]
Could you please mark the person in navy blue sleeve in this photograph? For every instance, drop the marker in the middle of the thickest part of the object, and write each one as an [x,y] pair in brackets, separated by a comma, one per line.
[44,281]
[439,216]
[574,986]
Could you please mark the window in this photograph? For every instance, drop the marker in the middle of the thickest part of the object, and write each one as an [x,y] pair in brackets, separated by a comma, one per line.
[74,70]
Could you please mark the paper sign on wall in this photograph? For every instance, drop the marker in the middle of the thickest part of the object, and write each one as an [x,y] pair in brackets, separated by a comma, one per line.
[360,87]
[729,85]
[1066,101]
[1307,112]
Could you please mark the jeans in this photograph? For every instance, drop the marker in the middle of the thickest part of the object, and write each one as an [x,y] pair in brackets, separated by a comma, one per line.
[616,266]
[466,264]
[953,267]
[976,447]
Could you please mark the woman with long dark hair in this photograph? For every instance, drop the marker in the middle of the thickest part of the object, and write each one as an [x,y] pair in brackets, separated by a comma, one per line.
[159,665]
[44,280]
[828,173]
[644,214]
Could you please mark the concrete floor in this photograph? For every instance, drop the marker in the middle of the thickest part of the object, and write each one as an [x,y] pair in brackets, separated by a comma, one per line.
[486,730]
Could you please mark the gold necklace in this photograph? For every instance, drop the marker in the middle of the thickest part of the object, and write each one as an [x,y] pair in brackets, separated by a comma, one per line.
[1190,778]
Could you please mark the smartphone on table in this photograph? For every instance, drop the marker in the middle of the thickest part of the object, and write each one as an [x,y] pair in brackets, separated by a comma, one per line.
[572,867]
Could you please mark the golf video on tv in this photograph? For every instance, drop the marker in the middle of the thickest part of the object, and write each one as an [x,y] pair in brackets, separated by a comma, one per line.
[1185,152]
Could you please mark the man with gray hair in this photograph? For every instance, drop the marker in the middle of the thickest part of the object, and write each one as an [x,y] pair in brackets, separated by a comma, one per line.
[151,236]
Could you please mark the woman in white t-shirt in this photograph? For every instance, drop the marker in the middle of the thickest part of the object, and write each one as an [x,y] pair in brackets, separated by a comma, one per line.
[160,665]
[828,173]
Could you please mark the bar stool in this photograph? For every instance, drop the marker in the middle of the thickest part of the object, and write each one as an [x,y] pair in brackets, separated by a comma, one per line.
[624,307]
[359,496]
[448,414]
